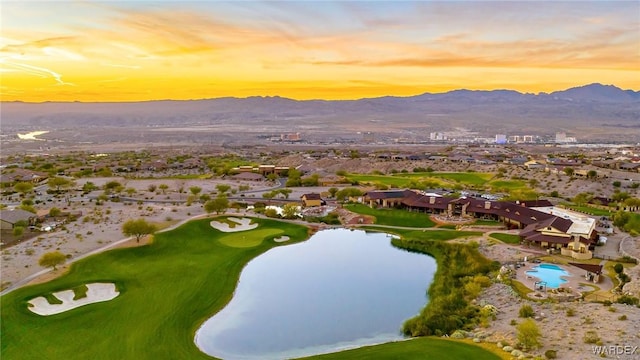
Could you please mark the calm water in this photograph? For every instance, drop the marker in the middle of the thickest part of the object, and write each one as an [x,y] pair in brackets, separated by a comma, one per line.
[550,273]
[337,290]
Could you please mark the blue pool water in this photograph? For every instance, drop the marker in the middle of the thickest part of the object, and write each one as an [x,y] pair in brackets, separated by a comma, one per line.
[551,274]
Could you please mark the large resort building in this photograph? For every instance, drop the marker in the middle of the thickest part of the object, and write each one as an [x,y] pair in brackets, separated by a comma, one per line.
[570,233]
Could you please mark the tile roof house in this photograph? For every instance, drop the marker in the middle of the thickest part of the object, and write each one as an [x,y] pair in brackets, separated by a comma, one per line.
[544,228]
[312,199]
[8,218]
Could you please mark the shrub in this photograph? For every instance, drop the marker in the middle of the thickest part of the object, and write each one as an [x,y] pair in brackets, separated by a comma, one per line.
[571,312]
[628,299]
[622,317]
[591,337]
[529,334]
[526,311]
[550,354]
[618,268]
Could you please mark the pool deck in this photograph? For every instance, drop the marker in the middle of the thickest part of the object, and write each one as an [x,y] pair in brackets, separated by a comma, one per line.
[574,279]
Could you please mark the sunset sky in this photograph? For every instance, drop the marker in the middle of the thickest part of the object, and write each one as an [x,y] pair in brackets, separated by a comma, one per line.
[149,50]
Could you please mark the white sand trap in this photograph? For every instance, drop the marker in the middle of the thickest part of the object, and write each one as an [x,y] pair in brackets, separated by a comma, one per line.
[243,224]
[97,292]
[281,239]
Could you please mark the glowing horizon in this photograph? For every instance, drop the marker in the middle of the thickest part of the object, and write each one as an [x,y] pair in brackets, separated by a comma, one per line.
[137,51]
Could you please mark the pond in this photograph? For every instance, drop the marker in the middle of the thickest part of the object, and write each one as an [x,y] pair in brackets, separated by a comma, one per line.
[340,289]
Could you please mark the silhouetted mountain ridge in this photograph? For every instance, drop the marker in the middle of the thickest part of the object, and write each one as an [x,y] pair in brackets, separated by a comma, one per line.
[590,108]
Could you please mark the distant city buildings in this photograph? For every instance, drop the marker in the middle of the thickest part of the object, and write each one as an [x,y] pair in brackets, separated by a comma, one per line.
[368,137]
[501,139]
[290,137]
[562,138]
[437,136]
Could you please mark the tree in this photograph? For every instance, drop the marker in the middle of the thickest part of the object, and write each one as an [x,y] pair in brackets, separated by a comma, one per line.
[290,211]
[163,188]
[18,231]
[632,203]
[138,228]
[23,187]
[223,188]
[89,187]
[529,334]
[220,204]
[55,212]
[348,192]
[333,191]
[569,171]
[57,183]
[582,198]
[112,185]
[592,174]
[269,195]
[204,198]
[618,268]
[52,259]
[285,192]
[152,187]
[619,196]
[195,190]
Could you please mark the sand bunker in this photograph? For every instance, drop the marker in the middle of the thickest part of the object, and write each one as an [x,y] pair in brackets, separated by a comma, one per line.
[281,238]
[97,292]
[242,224]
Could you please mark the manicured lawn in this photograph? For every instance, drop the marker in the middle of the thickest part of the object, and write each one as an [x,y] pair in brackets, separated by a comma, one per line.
[440,235]
[589,210]
[420,348]
[167,289]
[250,238]
[400,182]
[506,238]
[507,185]
[464,177]
[394,217]
[487,223]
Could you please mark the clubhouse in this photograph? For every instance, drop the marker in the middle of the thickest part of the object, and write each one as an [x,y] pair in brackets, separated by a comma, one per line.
[559,230]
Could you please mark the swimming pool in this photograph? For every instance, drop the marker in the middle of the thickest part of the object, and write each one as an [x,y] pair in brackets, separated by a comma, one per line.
[549,273]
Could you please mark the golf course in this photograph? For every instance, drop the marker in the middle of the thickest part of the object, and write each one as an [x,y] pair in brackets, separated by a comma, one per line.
[166,290]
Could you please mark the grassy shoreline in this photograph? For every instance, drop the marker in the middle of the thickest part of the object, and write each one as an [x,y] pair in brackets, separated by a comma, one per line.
[167,290]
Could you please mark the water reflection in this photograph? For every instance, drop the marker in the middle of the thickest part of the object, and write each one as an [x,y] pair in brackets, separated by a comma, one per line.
[339,289]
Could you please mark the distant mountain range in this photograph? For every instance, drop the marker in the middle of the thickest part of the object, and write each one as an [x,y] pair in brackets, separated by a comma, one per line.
[586,111]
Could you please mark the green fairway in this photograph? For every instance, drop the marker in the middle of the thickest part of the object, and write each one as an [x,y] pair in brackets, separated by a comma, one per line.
[167,289]
[506,238]
[420,348]
[251,238]
[589,210]
[401,180]
[440,235]
[507,185]
[464,177]
[393,217]
[397,181]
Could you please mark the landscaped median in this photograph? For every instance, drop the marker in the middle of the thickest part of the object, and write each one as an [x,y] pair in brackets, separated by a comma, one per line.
[166,289]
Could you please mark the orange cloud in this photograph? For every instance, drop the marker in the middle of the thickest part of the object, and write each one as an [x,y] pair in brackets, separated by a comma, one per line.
[147,54]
